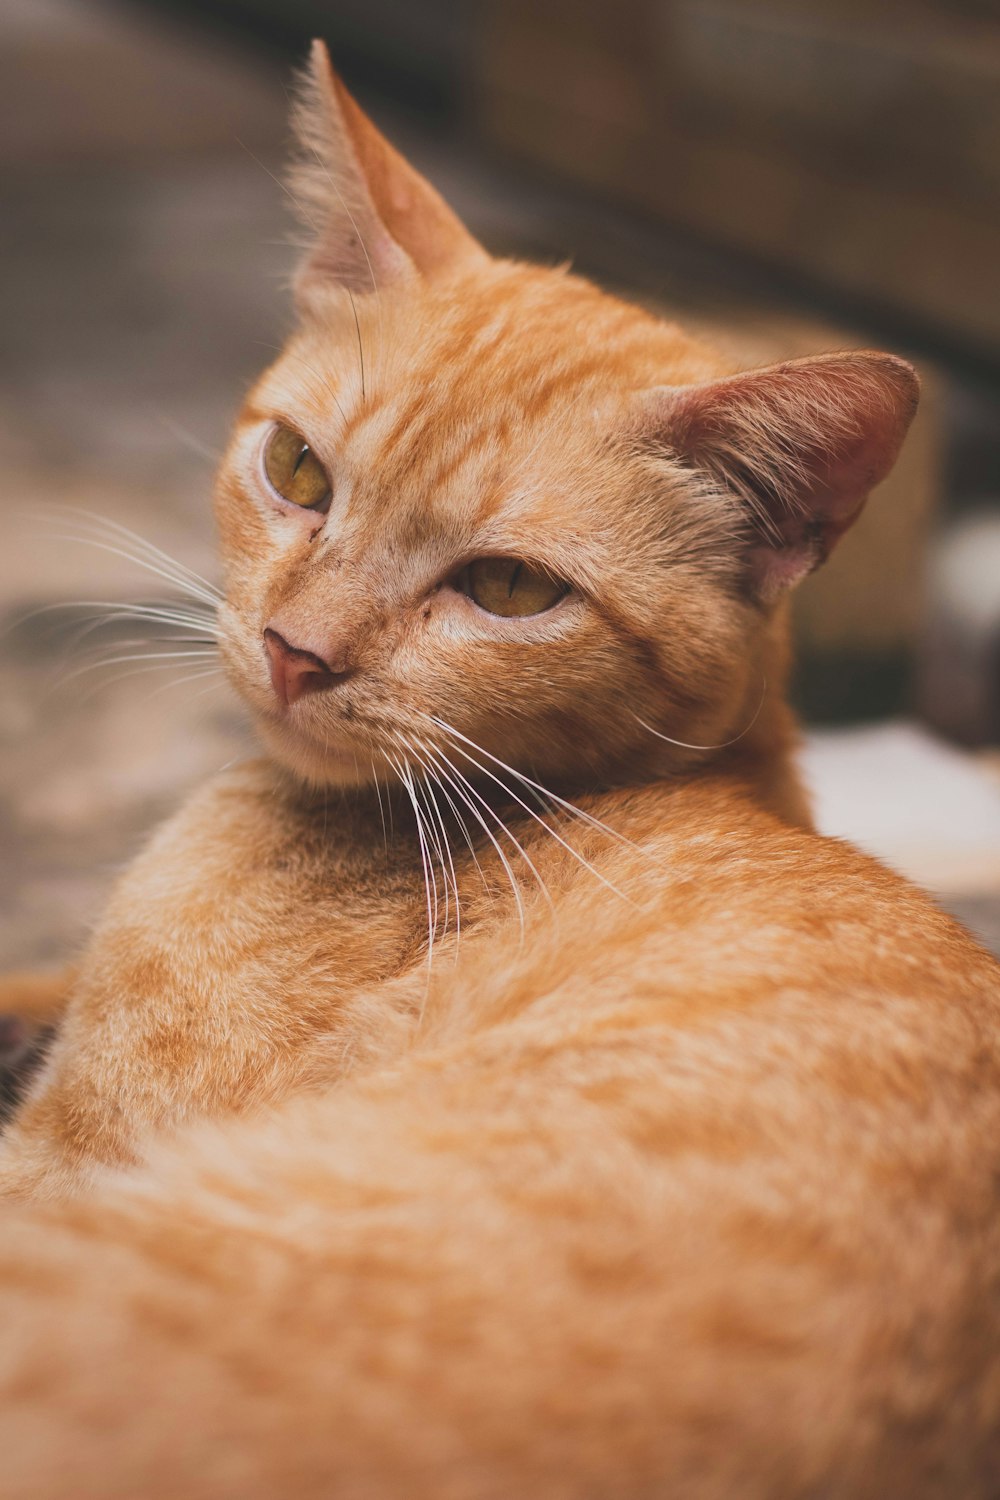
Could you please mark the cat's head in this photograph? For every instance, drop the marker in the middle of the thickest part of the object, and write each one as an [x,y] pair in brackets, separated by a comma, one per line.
[481,509]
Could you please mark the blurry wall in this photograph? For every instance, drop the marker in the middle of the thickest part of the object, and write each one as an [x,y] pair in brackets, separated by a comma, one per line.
[855,143]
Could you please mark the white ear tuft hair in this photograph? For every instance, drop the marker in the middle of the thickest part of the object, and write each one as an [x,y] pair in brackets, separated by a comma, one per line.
[373,218]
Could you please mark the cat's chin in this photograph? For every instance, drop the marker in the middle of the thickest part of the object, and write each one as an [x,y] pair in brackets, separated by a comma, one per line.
[316,765]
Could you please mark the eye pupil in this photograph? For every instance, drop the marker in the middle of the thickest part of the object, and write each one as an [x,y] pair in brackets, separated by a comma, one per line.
[508,587]
[294,472]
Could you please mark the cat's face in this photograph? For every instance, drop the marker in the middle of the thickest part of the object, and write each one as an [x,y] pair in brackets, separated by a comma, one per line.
[478,509]
[482,541]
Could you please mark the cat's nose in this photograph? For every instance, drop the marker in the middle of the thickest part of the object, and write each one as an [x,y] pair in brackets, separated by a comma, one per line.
[295,672]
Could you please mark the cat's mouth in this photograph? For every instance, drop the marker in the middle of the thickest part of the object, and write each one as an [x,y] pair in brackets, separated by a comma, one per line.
[318,754]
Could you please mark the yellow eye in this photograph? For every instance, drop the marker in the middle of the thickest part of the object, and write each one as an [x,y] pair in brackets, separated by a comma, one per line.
[294,471]
[504,586]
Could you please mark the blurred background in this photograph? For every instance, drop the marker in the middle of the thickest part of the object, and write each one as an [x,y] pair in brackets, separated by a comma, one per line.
[787,176]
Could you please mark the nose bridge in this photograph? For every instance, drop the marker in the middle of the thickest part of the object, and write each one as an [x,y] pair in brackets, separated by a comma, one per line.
[328,610]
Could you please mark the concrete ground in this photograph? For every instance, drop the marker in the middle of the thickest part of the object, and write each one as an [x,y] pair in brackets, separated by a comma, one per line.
[144,251]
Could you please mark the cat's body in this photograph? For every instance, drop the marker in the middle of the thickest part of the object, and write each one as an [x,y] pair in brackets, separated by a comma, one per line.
[502,1091]
[697,1199]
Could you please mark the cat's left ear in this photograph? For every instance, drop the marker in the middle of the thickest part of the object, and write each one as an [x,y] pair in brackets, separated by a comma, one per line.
[374,219]
[801,444]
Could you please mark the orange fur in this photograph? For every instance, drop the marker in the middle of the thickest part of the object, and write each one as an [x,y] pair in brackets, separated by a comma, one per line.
[501,1090]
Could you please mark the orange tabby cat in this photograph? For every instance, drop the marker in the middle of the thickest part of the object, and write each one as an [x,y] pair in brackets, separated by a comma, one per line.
[500,1091]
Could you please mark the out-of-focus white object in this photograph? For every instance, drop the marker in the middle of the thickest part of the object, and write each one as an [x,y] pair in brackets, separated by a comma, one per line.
[958,664]
[927,809]
[966,569]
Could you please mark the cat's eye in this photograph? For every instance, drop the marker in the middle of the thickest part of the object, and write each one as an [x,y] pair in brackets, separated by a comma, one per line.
[506,586]
[293,470]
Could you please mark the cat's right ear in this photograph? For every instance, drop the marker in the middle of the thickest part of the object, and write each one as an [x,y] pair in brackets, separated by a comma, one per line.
[373,218]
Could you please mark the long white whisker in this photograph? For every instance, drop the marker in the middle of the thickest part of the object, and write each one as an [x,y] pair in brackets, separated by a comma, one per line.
[569,807]
[183,584]
[364,251]
[324,384]
[466,791]
[148,559]
[189,439]
[126,532]
[206,654]
[434,843]
[435,770]
[353,221]
[180,681]
[725,743]
[406,779]
[297,203]
[543,824]
[381,809]
[183,574]
[147,665]
[109,682]
[443,844]
[361,352]
[459,785]
[118,610]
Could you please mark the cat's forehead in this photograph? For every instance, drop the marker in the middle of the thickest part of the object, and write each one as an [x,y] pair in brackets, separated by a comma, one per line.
[429,395]
[491,407]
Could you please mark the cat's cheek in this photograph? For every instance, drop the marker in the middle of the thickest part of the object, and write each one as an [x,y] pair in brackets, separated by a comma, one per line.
[243,658]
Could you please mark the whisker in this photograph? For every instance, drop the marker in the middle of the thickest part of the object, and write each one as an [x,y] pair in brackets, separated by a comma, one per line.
[353,221]
[361,352]
[180,681]
[569,807]
[543,824]
[501,855]
[435,771]
[182,573]
[140,656]
[364,251]
[324,384]
[185,587]
[443,847]
[182,435]
[439,836]
[682,745]
[424,858]
[463,786]
[119,677]
[297,203]
[432,843]
[114,610]
[381,809]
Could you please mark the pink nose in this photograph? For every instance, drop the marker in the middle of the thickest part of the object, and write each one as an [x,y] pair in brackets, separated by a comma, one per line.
[295,672]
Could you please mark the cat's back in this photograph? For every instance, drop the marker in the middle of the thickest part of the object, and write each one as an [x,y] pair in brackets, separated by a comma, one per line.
[747,1129]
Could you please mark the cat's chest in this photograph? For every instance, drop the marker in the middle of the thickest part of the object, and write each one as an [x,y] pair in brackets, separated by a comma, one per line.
[423,884]
[276,890]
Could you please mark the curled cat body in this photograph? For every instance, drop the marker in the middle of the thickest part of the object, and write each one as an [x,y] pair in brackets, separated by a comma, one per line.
[499,1088]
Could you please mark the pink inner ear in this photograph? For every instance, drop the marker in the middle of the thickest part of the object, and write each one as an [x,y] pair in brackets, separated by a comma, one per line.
[802,444]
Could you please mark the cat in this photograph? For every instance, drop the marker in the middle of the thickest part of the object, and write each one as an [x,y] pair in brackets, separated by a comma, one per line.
[500,1089]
